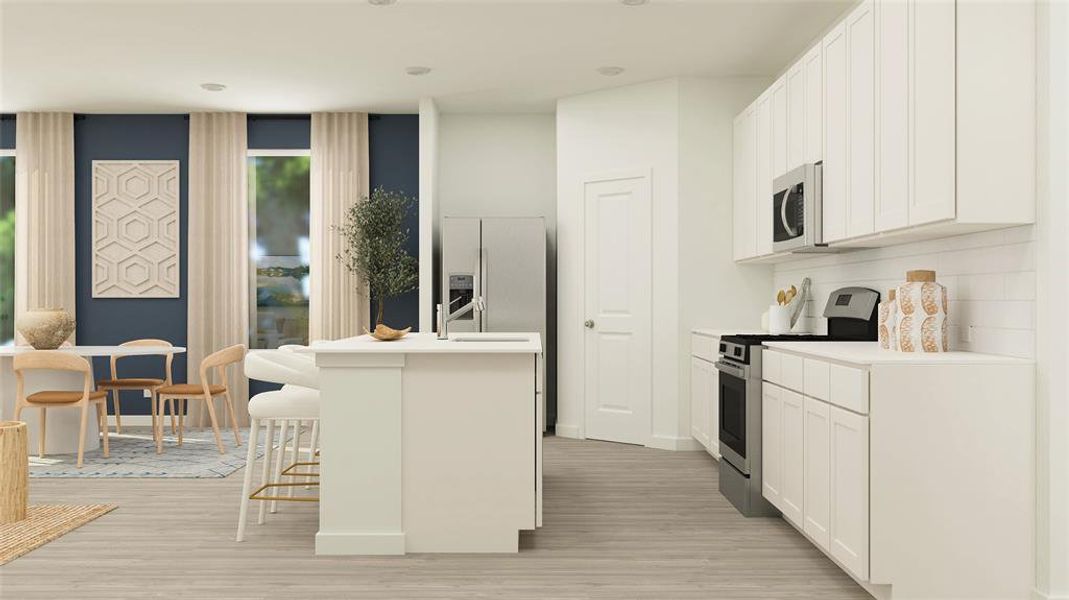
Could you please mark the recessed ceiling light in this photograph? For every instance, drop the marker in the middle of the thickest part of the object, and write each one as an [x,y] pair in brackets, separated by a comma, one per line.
[417,70]
[633,2]
[610,71]
[213,87]
[380,2]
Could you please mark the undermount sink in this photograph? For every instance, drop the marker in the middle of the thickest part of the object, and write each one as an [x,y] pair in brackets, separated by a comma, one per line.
[487,338]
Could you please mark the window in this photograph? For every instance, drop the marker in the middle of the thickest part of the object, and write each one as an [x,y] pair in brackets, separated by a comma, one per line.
[278,212]
[7,247]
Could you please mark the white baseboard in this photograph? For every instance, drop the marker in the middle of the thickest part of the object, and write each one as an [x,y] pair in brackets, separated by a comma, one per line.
[669,442]
[1038,595]
[568,431]
[133,420]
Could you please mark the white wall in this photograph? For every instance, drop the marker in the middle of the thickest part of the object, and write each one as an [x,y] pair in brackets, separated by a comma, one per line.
[504,165]
[990,279]
[680,131]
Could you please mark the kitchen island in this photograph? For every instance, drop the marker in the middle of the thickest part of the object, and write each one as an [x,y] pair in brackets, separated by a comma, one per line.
[429,445]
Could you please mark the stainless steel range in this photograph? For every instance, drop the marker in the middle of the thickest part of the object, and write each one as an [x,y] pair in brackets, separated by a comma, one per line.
[851,315]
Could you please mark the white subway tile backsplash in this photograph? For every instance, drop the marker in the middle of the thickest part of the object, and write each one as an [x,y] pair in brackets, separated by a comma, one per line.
[990,280]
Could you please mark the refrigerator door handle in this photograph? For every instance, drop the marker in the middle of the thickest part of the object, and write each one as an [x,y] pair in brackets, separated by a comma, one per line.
[478,302]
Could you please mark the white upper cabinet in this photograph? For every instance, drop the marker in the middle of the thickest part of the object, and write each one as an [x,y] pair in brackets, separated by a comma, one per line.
[836,124]
[931,33]
[892,116]
[744,179]
[779,128]
[861,119]
[796,112]
[923,113]
[813,65]
[764,165]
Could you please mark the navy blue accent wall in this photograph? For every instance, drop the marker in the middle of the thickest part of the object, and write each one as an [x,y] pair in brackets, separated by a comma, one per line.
[393,148]
[7,132]
[280,132]
[106,321]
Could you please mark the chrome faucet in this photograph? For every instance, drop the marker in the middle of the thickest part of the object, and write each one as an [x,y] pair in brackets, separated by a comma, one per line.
[444,315]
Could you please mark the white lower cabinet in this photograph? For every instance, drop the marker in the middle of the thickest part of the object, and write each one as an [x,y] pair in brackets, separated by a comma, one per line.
[792,488]
[772,444]
[704,394]
[817,472]
[782,450]
[850,490]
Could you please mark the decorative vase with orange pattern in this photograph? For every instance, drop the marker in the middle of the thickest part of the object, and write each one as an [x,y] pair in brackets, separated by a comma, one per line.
[922,314]
[887,322]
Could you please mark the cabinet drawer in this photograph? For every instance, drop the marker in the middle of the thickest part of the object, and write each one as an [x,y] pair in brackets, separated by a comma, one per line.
[849,388]
[816,379]
[771,367]
[791,375]
[704,347]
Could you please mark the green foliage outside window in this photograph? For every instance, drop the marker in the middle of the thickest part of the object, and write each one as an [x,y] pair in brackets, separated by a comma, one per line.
[7,249]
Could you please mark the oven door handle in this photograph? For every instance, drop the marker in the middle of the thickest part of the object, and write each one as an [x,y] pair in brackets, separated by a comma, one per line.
[730,369]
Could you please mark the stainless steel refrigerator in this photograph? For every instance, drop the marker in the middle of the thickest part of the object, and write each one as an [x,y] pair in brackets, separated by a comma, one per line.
[494,274]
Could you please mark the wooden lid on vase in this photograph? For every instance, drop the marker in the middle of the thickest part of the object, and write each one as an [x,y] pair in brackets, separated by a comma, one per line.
[920,275]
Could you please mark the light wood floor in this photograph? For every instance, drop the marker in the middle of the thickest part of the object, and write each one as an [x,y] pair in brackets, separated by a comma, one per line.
[620,522]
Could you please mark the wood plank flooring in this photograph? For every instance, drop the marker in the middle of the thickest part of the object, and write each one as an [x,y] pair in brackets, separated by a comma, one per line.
[620,522]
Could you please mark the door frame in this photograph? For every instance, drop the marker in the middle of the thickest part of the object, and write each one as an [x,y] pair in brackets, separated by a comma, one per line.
[601,177]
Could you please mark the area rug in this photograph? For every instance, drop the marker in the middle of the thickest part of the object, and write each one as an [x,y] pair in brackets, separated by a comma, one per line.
[44,523]
[133,454]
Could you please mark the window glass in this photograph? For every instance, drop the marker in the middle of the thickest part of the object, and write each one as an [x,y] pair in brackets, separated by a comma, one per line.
[278,196]
[7,249]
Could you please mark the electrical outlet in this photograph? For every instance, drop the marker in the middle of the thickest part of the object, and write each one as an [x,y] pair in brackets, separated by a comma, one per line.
[967,334]
[147,393]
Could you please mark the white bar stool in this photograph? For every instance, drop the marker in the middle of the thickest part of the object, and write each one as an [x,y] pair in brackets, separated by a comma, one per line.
[296,404]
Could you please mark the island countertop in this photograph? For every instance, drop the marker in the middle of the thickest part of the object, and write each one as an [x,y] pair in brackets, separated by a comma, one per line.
[428,343]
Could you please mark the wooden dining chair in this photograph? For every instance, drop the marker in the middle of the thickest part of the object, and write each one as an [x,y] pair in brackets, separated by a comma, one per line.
[117,385]
[206,391]
[53,360]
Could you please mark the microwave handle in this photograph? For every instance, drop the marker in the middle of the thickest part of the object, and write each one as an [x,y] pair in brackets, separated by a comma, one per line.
[783,213]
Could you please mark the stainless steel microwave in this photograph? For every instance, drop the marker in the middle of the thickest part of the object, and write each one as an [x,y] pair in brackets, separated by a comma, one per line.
[797,210]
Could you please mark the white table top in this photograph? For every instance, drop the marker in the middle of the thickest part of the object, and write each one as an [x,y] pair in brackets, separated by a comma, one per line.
[100,350]
[870,353]
[428,343]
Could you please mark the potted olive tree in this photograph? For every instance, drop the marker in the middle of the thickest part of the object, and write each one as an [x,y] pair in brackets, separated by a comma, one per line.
[375,236]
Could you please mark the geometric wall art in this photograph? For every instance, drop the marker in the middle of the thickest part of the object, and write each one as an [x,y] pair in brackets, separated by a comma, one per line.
[135,229]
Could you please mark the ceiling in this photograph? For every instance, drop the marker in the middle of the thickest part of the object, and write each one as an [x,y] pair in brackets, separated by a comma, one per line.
[303,56]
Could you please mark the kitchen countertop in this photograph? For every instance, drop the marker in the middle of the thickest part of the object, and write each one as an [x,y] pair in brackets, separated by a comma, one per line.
[428,343]
[870,353]
[722,332]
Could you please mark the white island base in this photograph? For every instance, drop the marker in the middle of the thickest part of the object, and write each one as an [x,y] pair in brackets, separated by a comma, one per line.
[428,445]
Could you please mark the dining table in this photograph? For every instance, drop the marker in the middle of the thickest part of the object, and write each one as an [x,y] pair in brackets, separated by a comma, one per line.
[63,422]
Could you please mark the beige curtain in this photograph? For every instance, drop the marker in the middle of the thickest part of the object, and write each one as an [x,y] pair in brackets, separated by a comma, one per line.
[44,212]
[339,301]
[218,247]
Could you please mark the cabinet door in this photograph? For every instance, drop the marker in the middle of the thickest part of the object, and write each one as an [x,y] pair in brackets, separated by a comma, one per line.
[699,400]
[814,105]
[861,119]
[850,490]
[833,52]
[932,122]
[816,506]
[892,116]
[763,196]
[780,127]
[792,490]
[712,401]
[796,112]
[744,178]
[772,444]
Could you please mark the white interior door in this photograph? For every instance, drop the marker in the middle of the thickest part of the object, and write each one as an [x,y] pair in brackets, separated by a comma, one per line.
[617,255]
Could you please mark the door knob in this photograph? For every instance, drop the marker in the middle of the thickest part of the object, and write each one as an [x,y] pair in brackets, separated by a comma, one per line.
[589,324]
